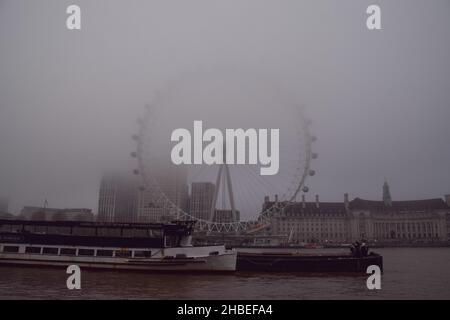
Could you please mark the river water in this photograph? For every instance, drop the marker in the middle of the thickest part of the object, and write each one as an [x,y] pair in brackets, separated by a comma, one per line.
[409,273]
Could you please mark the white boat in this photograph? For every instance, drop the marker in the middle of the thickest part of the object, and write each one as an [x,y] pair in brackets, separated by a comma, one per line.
[121,246]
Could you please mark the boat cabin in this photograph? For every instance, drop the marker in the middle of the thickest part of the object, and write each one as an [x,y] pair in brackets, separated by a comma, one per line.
[97,234]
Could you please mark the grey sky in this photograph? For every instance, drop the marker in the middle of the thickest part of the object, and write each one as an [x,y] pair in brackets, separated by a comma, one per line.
[380,100]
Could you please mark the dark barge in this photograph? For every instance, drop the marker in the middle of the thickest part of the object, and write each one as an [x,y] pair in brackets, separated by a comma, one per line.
[294,262]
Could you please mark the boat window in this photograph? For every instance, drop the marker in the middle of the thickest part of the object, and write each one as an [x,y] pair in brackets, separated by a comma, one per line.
[123,253]
[141,233]
[58,230]
[29,229]
[83,231]
[33,250]
[108,232]
[135,233]
[5,228]
[155,233]
[86,252]
[11,249]
[50,250]
[68,252]
[10,228]
[40,229]
[104,253]
[171,241]
[142,254]
[127,233]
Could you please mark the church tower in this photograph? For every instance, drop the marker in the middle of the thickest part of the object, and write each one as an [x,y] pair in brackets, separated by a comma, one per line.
[386,194]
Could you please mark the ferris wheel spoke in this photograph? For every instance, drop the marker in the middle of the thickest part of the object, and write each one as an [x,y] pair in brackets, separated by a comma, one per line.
[248,185]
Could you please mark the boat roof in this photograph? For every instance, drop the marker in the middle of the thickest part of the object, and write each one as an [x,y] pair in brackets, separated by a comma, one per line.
[175,225]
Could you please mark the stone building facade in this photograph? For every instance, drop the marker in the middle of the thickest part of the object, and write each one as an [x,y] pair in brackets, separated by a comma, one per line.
[377,221]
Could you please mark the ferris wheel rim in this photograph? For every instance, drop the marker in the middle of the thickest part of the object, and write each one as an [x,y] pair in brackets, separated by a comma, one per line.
[263,218]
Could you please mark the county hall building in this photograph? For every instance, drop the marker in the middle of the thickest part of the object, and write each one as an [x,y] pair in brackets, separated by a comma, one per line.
[411,221]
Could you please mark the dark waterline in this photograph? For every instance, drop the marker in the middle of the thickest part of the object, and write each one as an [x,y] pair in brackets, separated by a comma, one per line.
[409,273]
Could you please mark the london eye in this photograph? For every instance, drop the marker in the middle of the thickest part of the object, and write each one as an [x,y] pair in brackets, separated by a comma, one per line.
[248,198]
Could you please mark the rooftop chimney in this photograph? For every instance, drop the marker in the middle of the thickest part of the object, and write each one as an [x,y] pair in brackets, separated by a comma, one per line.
[303,201]
[447,199]
[276,198]
[317,201]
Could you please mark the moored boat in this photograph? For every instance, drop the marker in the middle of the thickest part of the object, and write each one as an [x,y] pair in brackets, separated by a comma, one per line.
[300,262]
[122,246]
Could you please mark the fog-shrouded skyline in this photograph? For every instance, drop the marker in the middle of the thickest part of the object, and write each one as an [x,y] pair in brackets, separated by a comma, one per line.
[379,100]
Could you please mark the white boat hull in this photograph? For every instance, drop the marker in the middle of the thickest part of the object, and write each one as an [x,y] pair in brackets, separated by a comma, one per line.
[221,262]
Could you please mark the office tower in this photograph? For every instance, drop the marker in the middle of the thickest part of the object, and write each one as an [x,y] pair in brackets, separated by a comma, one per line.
[166,194]
[202,195]
[117,198]
[4,204]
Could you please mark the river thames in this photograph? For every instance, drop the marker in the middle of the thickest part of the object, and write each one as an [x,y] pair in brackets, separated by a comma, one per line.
[409,273]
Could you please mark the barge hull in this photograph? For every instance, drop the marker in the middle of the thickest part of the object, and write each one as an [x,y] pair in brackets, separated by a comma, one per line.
[298,263]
